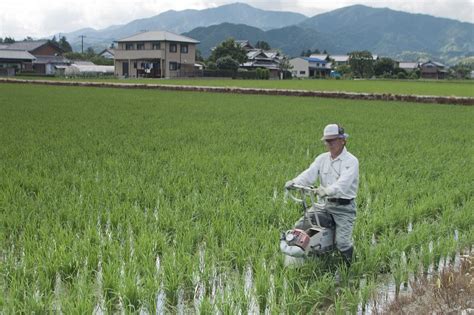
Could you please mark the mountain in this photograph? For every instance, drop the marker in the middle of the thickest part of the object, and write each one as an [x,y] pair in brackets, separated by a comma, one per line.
[183,21]
[291,39]
[382,31]
[388,32]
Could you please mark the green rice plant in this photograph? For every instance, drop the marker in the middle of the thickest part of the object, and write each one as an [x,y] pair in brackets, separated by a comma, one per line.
[99,183]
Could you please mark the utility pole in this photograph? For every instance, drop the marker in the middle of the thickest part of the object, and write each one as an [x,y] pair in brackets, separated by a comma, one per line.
[82,43]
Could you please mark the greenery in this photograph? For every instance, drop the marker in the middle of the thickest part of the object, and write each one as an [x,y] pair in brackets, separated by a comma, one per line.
[261,44]
[384,66]
[119,200]
[227,63]
[91,56]
[263,74]
[362,64]
[7,40]
[231,49]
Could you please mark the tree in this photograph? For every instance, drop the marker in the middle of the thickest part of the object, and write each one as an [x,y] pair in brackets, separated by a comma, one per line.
[64,44]
[1,40]
[263,45]
[229,48]
[54,40]
[227,63]
[28,39]
[362,64]
[384,66]
[199,55]
[90,51]
[9,40]
[284,66]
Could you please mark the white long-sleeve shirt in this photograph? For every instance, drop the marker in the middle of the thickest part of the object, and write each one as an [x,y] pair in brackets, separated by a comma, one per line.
[339,176]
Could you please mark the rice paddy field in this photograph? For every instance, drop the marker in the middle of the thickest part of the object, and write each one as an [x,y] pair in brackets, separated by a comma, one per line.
[119,201]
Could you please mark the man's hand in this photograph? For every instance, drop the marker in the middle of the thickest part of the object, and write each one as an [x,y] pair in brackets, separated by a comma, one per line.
[289,184]
[321,191]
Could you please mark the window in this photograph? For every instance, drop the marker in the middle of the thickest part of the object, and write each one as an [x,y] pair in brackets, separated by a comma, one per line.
[135,65]
[128,46]
[302,72]
[156,46]
[173,48]
[140,46]
[174,66]
[184,48]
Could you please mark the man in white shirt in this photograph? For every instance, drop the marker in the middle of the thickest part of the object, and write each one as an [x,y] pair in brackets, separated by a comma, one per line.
[338,173]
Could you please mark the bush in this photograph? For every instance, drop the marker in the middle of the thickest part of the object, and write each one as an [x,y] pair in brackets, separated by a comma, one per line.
[263,74]
[211,65]
[414,76]
[227,63]
[401,75]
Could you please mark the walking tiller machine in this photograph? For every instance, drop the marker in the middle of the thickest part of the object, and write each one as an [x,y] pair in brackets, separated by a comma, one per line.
[315,235]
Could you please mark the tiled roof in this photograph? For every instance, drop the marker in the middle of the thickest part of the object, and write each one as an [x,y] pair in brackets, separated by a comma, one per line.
[158,36]
[16,54]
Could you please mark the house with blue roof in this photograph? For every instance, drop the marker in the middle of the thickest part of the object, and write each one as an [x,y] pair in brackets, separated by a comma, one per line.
[310,67]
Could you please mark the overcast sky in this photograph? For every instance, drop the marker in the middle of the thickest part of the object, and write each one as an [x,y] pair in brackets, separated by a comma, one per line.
[21,18]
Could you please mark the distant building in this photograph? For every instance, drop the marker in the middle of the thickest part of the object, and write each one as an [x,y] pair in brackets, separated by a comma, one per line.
[433,70]
[340,60]
[319,56]
[245,44]
[304,67]
[156,54]
[107,53]
[47,55]
[408,66]
[15,61]
[267,59]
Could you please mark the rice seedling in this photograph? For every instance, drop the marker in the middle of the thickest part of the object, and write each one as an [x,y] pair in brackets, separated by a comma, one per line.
[119,201]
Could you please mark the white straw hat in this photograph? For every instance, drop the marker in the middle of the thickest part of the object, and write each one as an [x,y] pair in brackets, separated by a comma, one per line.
[334,131]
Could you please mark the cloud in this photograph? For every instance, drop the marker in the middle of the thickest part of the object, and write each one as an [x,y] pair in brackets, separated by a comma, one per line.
[21,18]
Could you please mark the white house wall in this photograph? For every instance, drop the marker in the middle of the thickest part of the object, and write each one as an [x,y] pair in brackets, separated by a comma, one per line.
[300,68]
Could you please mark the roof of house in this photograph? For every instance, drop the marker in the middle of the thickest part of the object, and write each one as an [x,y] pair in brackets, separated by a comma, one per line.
[408,65]
[437,64]
[16,54]
[27,45]
[158,36]
[109,50]
[340,58]
[243,43]
[51,59]
[310,59]
[319,56]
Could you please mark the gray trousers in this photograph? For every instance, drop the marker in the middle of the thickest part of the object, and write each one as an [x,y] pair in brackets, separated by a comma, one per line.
[344,216]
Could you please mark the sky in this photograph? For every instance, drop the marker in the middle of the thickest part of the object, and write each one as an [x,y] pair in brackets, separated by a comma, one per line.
[36,18]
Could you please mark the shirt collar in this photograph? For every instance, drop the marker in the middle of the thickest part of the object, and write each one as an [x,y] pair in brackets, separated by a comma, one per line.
[341,156]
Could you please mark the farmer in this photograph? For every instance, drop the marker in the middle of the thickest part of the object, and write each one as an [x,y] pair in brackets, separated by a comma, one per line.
[338,174]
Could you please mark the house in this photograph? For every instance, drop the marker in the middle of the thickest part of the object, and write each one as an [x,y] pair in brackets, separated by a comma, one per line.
[319,56]
[304,67]
[245,44]
[267,59]
[15,61]
[340,60]
[47,55]
[107,53]
[156,54]
[408,66]
[433,70]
